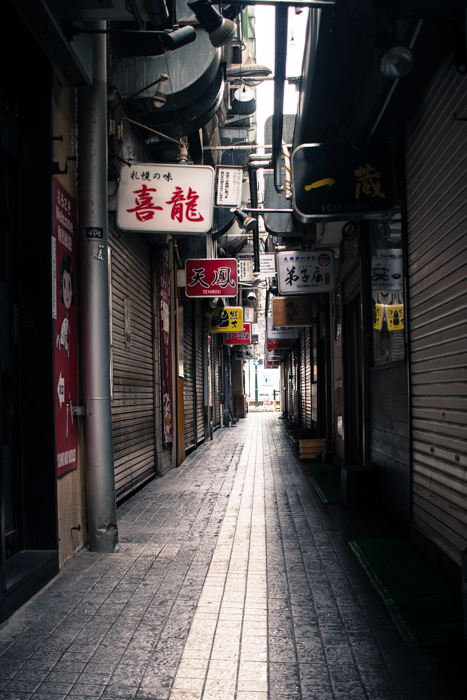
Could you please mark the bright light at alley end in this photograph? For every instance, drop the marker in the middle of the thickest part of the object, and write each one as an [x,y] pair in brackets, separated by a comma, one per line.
[165,198]
[208,277]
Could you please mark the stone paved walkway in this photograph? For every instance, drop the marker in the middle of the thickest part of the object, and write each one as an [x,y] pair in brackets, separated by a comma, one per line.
[233,582]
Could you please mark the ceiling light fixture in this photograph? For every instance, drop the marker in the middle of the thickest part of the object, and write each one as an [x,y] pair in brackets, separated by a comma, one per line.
[220,29]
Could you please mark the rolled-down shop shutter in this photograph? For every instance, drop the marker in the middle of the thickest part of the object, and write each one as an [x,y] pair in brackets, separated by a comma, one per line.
[306,374]
[199,370]
[437,261]
[283,370]
[215,378]
[189,375]
[132,360]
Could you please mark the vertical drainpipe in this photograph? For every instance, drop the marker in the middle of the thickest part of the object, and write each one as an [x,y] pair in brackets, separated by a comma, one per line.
[279,80]
[94,304]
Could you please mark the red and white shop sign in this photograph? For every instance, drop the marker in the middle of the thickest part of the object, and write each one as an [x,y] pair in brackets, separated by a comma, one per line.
[207,277]
[278,344]
[166,198]
[239,337]
[272,364]
[64,264]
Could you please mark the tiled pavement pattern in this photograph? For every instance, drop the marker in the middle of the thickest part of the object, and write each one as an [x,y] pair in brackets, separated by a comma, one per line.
[234,582]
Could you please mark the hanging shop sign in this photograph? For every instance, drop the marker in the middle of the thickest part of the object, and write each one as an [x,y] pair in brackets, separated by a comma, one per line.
[239,337]
[229,186]
[395,317]
[267,264]
[272,364]
[272,345]
[280,332]
[64,290]
[387,273]
[249,314]
[336,181]
[305,272]
[165,197]
[211,277]
[393,314]
[225,320]
[245,269]
[244,353]
[292,311]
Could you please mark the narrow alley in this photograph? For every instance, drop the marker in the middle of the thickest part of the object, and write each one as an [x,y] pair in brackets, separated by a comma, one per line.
[232,580]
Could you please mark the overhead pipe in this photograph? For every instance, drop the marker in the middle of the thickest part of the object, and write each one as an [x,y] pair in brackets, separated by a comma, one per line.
[253,167]
[279,81]
[94,303]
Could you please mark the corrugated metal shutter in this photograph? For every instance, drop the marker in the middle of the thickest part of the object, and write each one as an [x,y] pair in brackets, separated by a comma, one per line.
[132,360]
[283,370]
[199,370]
[308,376]
[215,373]
[189,378]
[437,244]
[303,386]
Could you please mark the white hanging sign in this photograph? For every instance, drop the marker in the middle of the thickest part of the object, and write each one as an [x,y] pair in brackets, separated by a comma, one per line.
[267,264]
[305,272]
[387,271]
[165,197]
[280,332]
[229,186]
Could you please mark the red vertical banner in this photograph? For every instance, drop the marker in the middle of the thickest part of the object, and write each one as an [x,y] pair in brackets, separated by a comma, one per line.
[64,295]
[166,354]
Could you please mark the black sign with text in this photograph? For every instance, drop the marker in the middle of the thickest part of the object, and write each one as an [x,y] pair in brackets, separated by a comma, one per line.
[336,181]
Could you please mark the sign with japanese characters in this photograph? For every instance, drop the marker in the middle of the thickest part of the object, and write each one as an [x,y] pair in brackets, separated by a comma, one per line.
[230,318]
[272,364]
[229,186]
[165,197]
[240,337]
[211,277]
[336,181]
[387,271]
[280,332]
[292,311]
[245,270]
[267,264]
[272,345]
[64,290]
[305,272]
[249,314]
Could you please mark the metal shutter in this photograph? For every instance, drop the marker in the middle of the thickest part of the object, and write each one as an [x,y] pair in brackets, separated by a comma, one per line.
[308,377]
[215,374]
[437,259]
[132,360]
[188,381]
[199,370]
[303,385]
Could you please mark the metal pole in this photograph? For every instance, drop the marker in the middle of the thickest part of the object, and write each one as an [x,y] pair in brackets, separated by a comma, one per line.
[94,304]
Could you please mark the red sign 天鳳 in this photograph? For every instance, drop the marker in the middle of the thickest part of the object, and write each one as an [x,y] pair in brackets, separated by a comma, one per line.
[278,344]
[239,337]
[211,278]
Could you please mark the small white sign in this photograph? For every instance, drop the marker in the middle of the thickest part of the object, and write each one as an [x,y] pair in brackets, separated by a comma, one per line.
[245,270]
[281,332]
[165,197]
[249,314]
[229,186]
[387,271]
[267,264]
[305,272]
